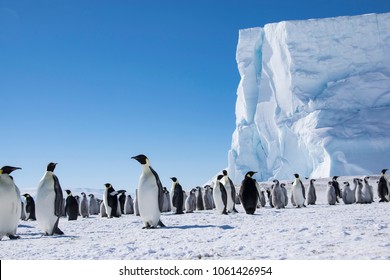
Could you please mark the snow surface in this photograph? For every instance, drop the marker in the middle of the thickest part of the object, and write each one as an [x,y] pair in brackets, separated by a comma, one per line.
[313,98]
[321,231]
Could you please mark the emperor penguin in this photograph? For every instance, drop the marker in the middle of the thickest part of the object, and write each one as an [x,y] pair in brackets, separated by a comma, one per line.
[298,192]
[248,193]
[191,202]
[260,193]
[136,208]
[110,200]
[29,207]
[93,205]
[178,196]
[383,187]
[150,194]
[367,191]
[122,200]
[220,196]
[77,197]
[347,194]
[71,206]
[129,205]
[49,201]
[84,210]
[208,198]
[331,193]
[283,187]
[311,196]
[278,199]
[231,191]
[10,203]
[167,201]
[358,190]
[336,186]
[199,199]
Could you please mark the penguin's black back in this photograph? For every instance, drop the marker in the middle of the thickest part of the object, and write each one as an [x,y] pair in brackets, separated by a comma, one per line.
[30,207]
[71,208]
[122,200]
[177,199]
[249,195]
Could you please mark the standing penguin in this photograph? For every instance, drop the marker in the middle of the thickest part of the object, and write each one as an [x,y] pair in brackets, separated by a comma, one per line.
[122,200]
[220,196]
[10,204]
[347,194]
[93,205]
[77,197]
[248,193]
[191,202]
[298,192]
[231,193]
[260,192]
[150,194]
[383,187]
[311,193]
[110,200]
[199,199]
[129,205]
[331,193]
[358,190]
[84,210]
[177,198]
[278,199]
[367,191]
[71,206]
[336,188]
[29,207]
[208,198]
[49,201]
[283,187]
[167,201]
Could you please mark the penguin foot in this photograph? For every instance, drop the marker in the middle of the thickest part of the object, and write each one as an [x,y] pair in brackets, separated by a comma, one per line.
[13,237]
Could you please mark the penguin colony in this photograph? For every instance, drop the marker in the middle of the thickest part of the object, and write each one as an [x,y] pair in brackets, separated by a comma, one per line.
[152,199]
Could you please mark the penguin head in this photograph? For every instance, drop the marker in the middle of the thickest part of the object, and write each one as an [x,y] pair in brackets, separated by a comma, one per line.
[142,159]
[296,175]
[276,181]
[26,195]
[8,169]
[219,177]
[68,192]
[250,174]
[51,166]
[282,184]
[335,178]
[312,180]
[91,195]
[174,179]
[83,194]
[384,171]
[330,183]
[346,183]
[224,172]
[107,185]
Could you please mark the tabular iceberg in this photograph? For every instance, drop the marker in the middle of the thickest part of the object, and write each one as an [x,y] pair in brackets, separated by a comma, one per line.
[313,99]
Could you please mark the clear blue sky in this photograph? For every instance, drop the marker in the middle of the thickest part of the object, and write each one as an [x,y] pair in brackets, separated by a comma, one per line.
[88,84]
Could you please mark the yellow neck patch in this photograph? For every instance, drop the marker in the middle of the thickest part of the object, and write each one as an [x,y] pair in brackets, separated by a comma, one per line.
[1,171]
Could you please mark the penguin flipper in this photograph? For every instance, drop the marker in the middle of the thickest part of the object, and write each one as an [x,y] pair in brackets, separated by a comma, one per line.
[58,197]
[160,189]
[161,224]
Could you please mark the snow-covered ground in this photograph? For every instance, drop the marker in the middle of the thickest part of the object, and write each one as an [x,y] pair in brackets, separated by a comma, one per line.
[317,232]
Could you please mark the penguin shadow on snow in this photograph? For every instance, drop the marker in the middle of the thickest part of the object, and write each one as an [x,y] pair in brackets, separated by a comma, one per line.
[224,227]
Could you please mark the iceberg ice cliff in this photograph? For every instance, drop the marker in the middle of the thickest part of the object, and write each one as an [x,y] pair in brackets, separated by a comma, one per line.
[313,99]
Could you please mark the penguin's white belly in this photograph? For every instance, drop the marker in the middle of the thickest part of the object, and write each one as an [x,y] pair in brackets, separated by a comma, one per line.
[173,208]
[298,195]
[44,208]
[217,196]
[10,209]
[229,202]
[148,202]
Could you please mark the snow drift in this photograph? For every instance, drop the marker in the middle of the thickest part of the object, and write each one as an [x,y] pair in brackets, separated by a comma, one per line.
[313,98]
